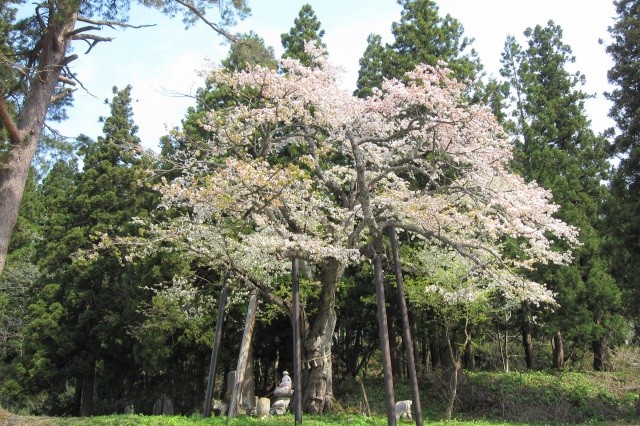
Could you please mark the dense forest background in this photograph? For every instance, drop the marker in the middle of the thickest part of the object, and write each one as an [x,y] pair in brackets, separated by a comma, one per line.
[88,328]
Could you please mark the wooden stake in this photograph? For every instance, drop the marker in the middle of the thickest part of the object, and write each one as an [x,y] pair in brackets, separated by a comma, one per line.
[384,340]
[406,331]
[295,320]
[216,346]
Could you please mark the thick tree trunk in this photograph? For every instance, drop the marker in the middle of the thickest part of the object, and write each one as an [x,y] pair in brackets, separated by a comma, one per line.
[394,348]
[558,351]
[413,327]
[77,397]
[245,354]
[434,350]
[468,357]
[600,356]
[527,344]
[25,134]
[317,339]
[88,385]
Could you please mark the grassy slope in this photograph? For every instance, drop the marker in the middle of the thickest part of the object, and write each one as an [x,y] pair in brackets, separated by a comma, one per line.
[485,398]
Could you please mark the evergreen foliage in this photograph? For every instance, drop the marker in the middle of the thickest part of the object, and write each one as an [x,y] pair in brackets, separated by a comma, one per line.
[74,319]
[421,36]
[306,28]
[555,146]
[624,209]
[78,320]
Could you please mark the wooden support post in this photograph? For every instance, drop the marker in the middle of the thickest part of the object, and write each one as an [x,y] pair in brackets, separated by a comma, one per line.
[384,340]
[295,320]
[216,346]
[247,336]
[406,331]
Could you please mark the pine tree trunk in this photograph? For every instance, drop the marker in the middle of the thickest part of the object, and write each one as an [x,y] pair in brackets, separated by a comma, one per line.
[469,359]
[77,397]
[434,350]
[600,355]
[88,385]
[416,344]
[558,351]
[393,346]
[25,134]
[527,344]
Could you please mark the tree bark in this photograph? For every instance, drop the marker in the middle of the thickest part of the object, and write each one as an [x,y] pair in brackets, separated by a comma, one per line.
[24,141]
[600,355]
[434,350]
[245,349]
[413,327]
[376,251]
[394,349]
[384,341]
[469,358]
[527,344]
[77,397]
[295,320]
[558,351]
[216,346]
[88,385]
[317,336]
[406,332]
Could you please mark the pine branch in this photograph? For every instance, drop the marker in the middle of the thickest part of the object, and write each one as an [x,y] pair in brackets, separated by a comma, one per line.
[95,39]
[204,19]
[111,24]
[14,134]
[62,94]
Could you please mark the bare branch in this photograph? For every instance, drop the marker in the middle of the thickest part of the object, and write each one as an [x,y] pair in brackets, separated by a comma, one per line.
[62,94]
[69,59]
[14,134]
[204,19]
[41,23]
[112,24]
[462,248]
[95,40]
[82,30]
[74,79]
[67,80]
[264,290]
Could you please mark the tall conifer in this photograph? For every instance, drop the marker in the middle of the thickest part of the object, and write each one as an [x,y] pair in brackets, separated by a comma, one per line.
[555,146]
[94,300]
[421,36]
[624,209]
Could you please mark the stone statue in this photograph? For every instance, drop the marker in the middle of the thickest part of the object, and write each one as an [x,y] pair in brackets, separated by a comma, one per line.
[284,388]
[286,380]
[403,409]
[282,393]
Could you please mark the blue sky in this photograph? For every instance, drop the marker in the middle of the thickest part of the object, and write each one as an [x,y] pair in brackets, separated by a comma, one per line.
[163,62]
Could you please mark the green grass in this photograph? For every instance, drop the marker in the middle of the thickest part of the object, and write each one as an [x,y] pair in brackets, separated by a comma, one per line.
[337,419]
[547,398]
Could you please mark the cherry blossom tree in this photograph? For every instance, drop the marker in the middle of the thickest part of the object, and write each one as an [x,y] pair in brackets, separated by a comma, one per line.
[303,169]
